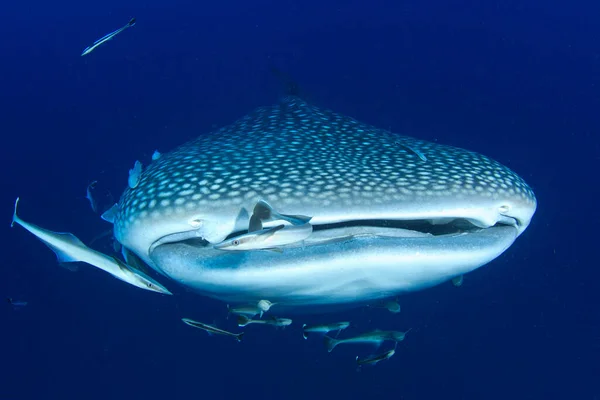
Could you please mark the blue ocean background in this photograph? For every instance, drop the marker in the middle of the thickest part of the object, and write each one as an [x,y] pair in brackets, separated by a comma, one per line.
[518,81]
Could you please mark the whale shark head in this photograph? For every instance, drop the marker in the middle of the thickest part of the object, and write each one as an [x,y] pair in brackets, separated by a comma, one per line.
[390,213]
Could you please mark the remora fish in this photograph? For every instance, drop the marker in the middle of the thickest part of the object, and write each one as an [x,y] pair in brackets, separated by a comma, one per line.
[372,360]
[211,329]
[374,337]
[249,311]
[108,37]
[392,306]
[279,322]
[267,239]
[324,329]
[382,203]
[88,195]
[69,248]
[16,303]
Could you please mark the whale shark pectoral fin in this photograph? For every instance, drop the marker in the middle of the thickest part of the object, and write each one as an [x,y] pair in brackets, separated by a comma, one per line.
[110,214]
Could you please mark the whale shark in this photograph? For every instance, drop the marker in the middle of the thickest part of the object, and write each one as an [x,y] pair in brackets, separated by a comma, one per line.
[390,213]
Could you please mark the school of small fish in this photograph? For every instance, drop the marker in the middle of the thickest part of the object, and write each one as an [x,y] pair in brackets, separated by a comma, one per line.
[246,316]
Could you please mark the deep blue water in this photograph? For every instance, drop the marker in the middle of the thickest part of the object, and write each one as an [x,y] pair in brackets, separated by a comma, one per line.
[517,81]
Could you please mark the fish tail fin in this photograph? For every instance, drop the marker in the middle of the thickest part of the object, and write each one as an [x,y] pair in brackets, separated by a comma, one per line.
[15,217]
[61,255]
[255,224]
[264,212]
[242,320]
[304,333]
[239,336]
[131,22]
[330,343]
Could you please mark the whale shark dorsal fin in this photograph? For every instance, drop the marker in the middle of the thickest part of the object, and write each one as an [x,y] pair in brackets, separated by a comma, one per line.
[110,214]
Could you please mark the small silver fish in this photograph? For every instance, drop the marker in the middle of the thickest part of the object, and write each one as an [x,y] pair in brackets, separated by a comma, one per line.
[374,359]
[279,322]
[249,311]
[212,329]
[374,337]
[324,329]
[88,195]
[108,37]
[267,239]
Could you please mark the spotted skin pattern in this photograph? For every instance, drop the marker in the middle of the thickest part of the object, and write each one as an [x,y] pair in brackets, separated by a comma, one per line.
[297,157]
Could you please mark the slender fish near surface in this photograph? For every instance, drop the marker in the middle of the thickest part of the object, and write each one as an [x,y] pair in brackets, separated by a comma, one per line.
[374,359]
[212,329]
[107,37]
[373,337]
[279,322]
[324,328]
[248,310]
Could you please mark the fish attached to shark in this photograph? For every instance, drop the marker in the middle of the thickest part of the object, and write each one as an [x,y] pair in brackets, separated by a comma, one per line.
[386,219]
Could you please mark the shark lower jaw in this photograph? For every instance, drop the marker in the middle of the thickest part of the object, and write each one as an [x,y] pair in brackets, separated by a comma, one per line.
[340,265]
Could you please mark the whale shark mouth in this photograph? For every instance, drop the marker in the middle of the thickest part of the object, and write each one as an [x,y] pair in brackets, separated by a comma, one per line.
[422,228]
[343,263]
